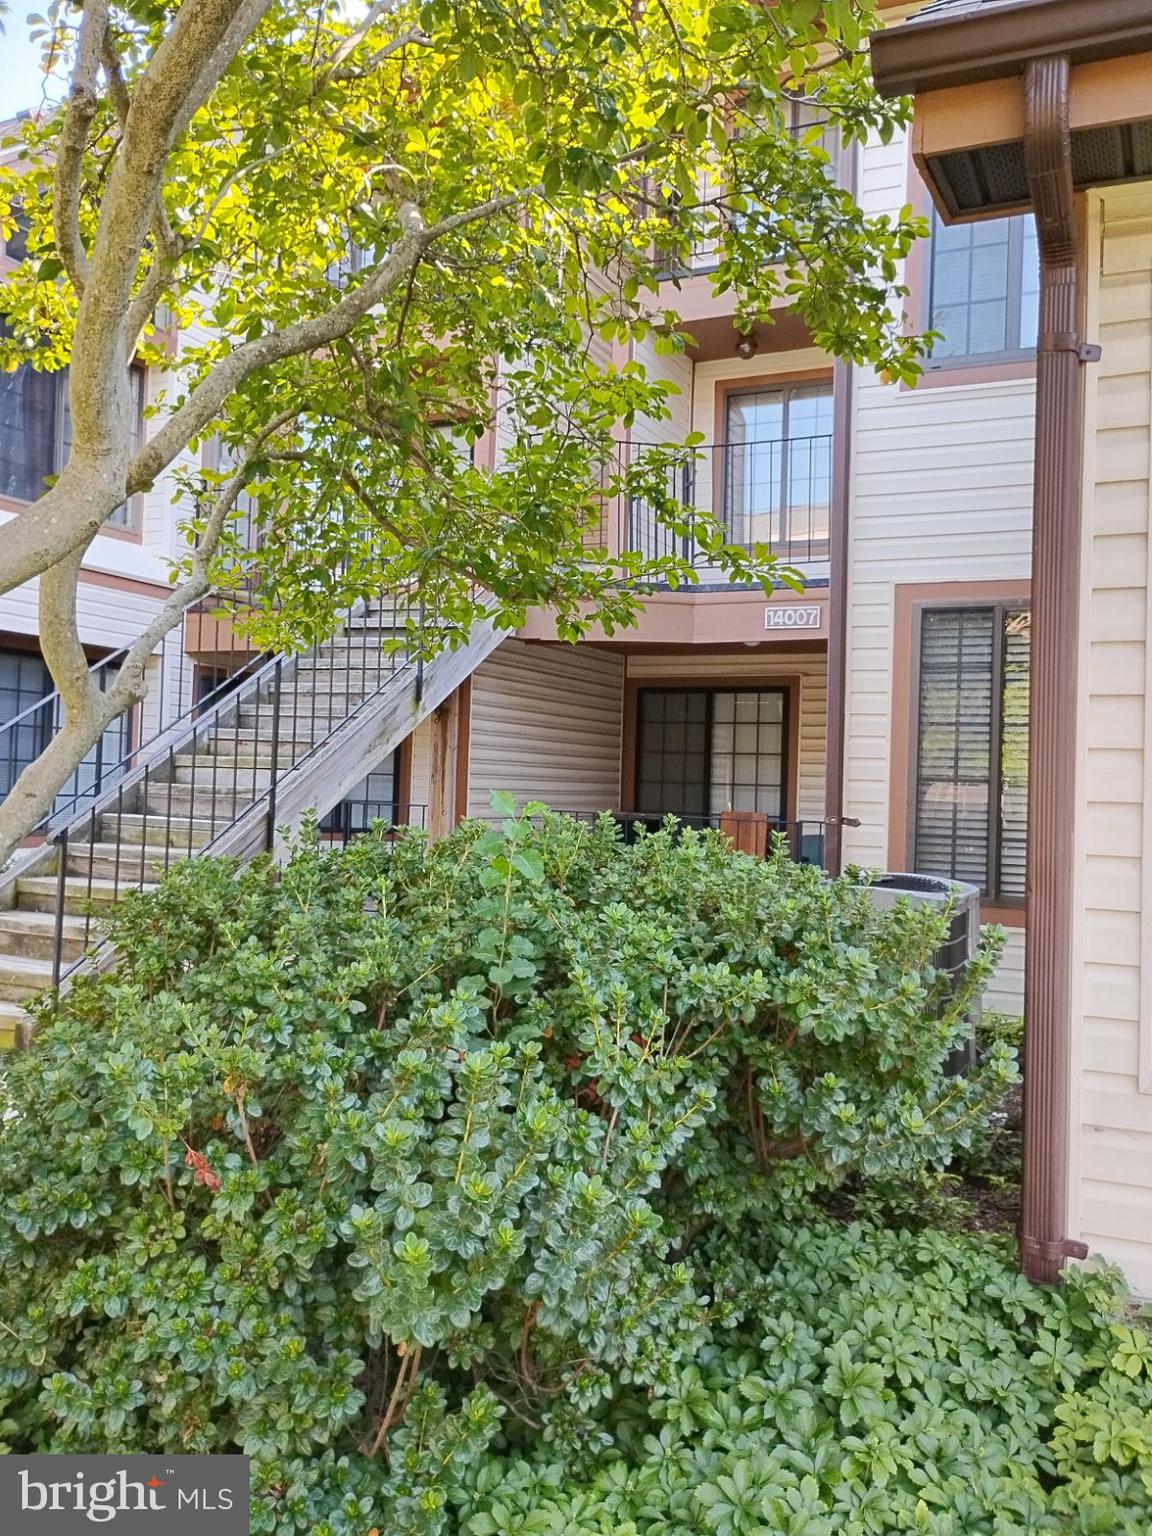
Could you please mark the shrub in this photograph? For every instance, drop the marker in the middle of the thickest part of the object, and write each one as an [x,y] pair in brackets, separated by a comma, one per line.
[400,1153]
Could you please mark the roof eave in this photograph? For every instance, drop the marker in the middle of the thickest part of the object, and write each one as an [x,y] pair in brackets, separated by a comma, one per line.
[989,43]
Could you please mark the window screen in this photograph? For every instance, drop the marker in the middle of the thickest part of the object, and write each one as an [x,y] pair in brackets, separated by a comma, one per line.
[29,431]
[985,288]
[971,788]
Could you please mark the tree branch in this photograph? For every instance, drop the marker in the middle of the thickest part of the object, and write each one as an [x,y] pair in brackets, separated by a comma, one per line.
[349,45]
[204,402]
[83,104]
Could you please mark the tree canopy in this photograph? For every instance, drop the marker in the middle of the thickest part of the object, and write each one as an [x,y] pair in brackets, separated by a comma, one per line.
[363,226]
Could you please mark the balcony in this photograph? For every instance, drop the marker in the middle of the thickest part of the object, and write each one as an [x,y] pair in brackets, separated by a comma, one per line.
[767,492]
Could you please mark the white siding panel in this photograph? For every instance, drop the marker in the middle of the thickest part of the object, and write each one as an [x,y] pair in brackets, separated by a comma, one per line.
[546,724]
[941,491]
[1112,1160]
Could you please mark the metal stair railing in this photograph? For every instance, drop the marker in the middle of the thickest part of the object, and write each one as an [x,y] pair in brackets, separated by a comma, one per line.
[215,762]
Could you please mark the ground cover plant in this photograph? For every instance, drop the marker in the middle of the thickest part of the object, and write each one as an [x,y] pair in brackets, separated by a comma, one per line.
[485,1188]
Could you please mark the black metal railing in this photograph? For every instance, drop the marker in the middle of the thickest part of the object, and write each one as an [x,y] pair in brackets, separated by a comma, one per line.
[773,492]
[191,668]
[364,815]
[222,759]
[750,832]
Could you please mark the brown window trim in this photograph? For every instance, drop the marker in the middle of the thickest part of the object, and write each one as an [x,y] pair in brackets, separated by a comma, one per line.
[997,368]
[725,388]
[788,684]
[908,600]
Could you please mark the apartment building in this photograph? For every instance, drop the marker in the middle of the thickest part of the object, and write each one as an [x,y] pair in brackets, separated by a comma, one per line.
[882,716]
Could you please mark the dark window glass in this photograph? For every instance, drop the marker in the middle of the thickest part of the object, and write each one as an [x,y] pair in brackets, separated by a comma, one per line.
[36,432]
[701,752]
[30,422]
[984,288]
[971,791]
[15,247]
[373,799]
[24,679]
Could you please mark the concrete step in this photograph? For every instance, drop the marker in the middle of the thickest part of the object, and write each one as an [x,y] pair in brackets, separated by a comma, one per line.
[180,831]
[248,752]
[198,800]
[39,893]
[34,934]
[127,862]
[22,977]
[224,775]
[15,1026]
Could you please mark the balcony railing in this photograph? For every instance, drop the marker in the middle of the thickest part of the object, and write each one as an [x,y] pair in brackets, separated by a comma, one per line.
[748,831]
[769,492]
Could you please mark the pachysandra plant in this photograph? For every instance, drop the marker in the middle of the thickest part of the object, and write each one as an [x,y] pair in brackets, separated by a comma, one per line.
[408,1154]
[364,229]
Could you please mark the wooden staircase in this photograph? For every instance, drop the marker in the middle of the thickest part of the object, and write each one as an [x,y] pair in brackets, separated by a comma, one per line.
[297,735]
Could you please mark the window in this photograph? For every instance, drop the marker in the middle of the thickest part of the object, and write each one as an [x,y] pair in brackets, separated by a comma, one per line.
[776,471]
[984,289]
[971,747]
[24,680]
[702,751]
[36,432]
[15,247]
[375,798]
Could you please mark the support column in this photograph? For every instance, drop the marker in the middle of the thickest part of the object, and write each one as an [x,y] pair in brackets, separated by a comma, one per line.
[447,769]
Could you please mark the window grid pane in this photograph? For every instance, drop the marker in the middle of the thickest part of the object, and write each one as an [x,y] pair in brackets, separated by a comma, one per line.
[971,791]
[954,751]
[984,287]
[701,753]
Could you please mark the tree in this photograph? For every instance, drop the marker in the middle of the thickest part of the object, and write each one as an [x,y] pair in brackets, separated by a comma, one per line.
[348,222]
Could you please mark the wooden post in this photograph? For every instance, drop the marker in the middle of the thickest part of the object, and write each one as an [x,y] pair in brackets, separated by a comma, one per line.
[442,776]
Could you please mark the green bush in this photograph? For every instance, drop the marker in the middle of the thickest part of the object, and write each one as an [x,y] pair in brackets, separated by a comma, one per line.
[404,1156]
[876,1382]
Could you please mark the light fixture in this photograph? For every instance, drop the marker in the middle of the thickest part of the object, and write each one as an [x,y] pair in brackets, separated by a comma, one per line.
[746,345]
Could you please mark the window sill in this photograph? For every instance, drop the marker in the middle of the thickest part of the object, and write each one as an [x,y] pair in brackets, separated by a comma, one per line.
[967,372]
[1004,916]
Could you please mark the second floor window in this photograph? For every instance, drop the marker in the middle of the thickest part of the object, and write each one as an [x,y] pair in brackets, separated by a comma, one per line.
[970,804]
[984,290]
[36,433]
[776,470]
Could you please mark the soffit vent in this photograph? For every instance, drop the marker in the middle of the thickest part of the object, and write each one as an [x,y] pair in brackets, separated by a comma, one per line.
[994,177]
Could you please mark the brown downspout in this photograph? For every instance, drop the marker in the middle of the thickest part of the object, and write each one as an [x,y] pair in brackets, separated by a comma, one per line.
[839,505]
[1056,535]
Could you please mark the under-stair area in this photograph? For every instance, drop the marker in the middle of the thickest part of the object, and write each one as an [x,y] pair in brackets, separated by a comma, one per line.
[286,735]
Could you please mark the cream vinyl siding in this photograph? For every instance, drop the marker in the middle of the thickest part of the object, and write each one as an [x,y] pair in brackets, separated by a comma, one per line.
[941,490]
[546,725]
[812,672]
[1111,1201]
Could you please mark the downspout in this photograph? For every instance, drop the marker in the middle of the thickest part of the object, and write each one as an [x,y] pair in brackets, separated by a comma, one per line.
[839,509]
[1052,801]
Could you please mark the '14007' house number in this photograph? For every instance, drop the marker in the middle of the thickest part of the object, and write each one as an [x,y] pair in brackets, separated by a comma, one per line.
[791,617]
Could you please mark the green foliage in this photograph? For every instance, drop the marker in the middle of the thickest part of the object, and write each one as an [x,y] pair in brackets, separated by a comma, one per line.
[406,1156]
[577,147]
[874,1382]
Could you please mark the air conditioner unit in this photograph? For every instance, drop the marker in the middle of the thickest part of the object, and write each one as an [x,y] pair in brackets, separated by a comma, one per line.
[957,949]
